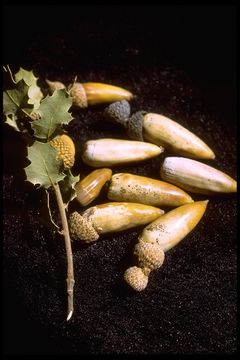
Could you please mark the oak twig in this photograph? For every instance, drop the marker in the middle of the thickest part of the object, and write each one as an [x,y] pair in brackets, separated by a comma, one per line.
[70,272]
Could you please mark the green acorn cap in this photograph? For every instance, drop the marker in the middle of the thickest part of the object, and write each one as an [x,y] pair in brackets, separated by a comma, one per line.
[118,111]
[134,126]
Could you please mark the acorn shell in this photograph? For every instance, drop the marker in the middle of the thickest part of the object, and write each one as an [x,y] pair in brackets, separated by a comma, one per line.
[107,152]
[89,188]
[98,93]
[196,176]
[135,188]
[169,229]
[119,216]
[165,132]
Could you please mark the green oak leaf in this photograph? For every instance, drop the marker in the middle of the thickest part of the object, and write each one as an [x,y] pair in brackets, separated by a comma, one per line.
[25,75]
[53,113]
[44,169]
[34,92]
[67,187]
[15,104]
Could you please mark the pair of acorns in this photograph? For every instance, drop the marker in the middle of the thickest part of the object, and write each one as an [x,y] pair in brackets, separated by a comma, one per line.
[137,198]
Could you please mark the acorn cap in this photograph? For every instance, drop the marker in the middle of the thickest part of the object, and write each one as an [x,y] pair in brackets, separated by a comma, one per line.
[81,229]
[118,112]
[65,150]
[150,255]
[78,94]
[134,126]
[136,278]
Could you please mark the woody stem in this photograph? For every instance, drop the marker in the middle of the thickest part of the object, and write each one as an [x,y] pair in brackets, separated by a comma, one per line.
[70,272]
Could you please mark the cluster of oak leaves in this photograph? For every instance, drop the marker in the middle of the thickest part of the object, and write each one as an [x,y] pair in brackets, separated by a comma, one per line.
[40,119]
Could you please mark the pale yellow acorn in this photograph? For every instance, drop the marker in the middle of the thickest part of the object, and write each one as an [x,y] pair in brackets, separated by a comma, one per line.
[174,226]
[163,131]
[65,150]
[110,217]
[159,130]
[160,236]
[196,177]
[135,188]
[89,188]
[107,152]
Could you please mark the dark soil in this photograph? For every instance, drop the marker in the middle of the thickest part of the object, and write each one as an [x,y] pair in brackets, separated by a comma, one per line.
[180,62]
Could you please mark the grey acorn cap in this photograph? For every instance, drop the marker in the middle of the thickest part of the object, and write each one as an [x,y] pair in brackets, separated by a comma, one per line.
[118,111]
[134,126]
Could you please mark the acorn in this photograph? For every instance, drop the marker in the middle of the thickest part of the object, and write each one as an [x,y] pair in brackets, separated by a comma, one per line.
[108,218]
[196,176]
[65,150]
[145,190]
[89,188]
[175,225]
[107,152]
[160,236]
[55,85]
[159,130]
[92,93]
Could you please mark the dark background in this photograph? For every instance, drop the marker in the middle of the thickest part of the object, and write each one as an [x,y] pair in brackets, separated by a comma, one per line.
[180,61]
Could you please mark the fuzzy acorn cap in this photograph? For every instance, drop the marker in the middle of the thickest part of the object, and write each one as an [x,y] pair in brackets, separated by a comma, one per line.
[65,150]
[134,126]
[135,277]
[78,94]
[118,112]
[81,229]
[149,255]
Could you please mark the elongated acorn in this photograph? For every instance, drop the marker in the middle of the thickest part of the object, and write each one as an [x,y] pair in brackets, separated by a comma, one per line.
[196,177]
[173,226]
[160,236]
[92,93]
[110,217]
[135,188]
[159,130]
[89,188]
[107,152]
[65,150]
